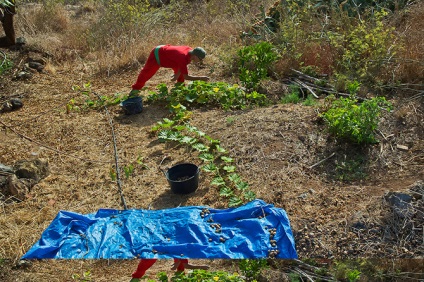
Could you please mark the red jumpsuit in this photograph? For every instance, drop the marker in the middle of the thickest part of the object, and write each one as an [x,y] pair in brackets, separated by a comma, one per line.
[145,264]
[174,57]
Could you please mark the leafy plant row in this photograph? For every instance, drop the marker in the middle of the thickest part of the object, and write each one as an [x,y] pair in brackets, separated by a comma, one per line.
[215,158]
[218,94]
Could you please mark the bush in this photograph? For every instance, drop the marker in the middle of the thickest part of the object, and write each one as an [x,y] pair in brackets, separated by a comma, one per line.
[355,122]
[254,63]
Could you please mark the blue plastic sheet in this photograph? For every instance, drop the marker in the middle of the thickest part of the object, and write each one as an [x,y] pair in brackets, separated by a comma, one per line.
[255,230]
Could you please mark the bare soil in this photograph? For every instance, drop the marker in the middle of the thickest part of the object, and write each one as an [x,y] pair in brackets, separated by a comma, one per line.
[336,206]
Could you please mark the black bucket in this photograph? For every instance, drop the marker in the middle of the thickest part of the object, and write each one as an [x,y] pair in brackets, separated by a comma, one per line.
[132,106]
[183,178]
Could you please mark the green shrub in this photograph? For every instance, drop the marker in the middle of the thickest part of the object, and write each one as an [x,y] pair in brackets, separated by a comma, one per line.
[356,122]
[251,268]
[255,62]
[364,48]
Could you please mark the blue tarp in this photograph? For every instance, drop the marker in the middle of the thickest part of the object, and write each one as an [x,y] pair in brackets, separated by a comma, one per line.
[254,230]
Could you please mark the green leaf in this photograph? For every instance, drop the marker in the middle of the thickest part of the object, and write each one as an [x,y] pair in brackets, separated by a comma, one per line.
[210,167]
[242,185]
[249,196]
[200,147]
[179,127]
[234,177]
[235,201]
[218,181]
[226,192]
[220,149]
[227,159]
[229,168]
[164,135]
[188,140]
[174,136]
[206,157]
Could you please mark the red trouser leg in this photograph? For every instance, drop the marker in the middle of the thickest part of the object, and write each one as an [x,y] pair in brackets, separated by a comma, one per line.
[142,267]
[146,73]
[181,265]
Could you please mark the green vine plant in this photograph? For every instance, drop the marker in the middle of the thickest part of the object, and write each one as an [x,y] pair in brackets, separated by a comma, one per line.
[88,100]
[201,93]
[214,157]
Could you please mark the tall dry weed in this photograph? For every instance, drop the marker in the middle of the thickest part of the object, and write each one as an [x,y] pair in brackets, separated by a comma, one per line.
[409,66]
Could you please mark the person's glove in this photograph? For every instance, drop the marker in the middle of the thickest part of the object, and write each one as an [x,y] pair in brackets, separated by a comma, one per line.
[133,93]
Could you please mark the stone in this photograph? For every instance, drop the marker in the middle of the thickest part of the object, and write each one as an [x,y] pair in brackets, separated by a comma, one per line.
[36,65]
[16,187]
[6,168]
[16,103]
[33,169]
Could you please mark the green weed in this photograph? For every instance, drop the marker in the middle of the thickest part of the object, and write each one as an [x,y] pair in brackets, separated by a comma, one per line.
[85,277]
[92,101]
[310,101]
[251,268]
[5,65]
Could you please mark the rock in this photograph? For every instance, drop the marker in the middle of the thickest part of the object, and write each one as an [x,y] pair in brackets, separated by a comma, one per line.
[16,103]
[33,169]
[6,168]
[20,41]
[22,75]
[402,147]
[36,65]
[6,107]
[3,183]
[16,187]
[11,105]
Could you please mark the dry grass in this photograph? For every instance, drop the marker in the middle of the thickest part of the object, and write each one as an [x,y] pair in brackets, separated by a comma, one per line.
[410,66]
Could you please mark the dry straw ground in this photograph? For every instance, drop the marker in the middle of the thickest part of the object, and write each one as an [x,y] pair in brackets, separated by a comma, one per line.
[275,148]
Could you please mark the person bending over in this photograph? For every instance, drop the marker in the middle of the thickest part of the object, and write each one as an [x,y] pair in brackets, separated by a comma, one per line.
[168,56]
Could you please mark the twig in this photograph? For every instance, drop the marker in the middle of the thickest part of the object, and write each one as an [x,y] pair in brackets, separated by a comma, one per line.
[307,87]
[118,178]
[305,75]
[321,161]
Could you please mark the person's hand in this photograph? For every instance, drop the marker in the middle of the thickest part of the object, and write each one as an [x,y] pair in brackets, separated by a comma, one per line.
[133,93]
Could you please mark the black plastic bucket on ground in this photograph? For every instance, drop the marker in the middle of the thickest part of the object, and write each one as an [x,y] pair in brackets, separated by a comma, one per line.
[132,106]
[183,178]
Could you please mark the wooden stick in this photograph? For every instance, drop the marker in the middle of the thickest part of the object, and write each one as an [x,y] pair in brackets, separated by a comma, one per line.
[321,161]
